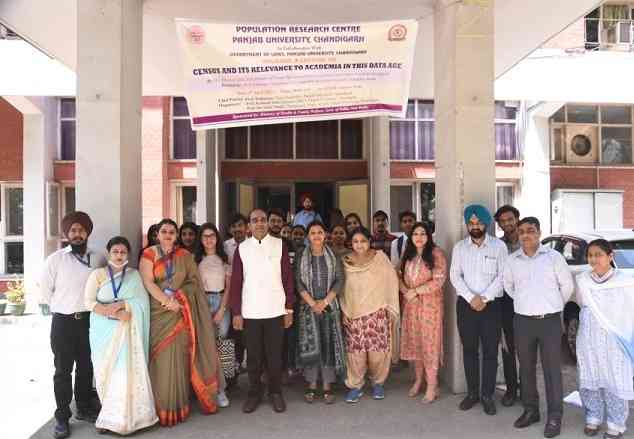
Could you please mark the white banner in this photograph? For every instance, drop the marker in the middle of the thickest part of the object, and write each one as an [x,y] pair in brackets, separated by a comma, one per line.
[250,74]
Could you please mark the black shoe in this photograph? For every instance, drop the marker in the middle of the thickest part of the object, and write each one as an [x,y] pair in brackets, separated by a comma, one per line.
[607,435]
[489,406]
[509,398]
[61,430]
[469,402]
[553,428]
[528,417]
[251,404]
[277,402]
[87,415]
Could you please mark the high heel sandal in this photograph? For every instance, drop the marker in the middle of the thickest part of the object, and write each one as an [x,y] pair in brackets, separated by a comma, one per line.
[426,400]
[414,390]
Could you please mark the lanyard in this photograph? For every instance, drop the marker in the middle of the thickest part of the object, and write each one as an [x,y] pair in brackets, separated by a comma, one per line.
[169,265]
[115,288]
[81,260]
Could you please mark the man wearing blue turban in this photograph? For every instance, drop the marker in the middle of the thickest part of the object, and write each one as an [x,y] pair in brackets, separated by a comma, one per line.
[477,265]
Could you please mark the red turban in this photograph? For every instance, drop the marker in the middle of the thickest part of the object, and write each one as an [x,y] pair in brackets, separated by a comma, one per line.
[77,217]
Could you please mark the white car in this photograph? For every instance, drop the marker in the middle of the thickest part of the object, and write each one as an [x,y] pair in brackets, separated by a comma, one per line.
[573,247]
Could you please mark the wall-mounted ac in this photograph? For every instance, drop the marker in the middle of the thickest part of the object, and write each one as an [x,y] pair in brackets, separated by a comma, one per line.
[582,144]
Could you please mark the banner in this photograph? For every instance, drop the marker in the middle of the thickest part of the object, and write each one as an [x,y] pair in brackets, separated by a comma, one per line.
[251,74]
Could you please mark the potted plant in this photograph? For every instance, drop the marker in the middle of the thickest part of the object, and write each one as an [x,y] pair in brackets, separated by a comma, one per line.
[16,297]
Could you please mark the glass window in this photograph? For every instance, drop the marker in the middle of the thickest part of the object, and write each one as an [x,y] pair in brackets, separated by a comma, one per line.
[616,145]
[409,114]
[180,107]
[53,210]
[582,113]
[188,203]
[400,200]
[402,140]
[272,141]
[506,142]
[428,202]
[426,140]
[504,195]
[67,138]
[14,256]
[67,108]
[502,111]
[184,140]
[425,109]
[560,115]
[69,200]
[624,254]
[14,213]
[613,114]
[612,14]
[236,142]
[592,29]
[352,139]
[317,140]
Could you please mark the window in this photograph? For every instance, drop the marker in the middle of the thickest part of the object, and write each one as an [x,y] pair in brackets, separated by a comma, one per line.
[419,197]
[69,199]
[183,137]
[506,144]
[184,203]
[12,229]
[52,206]
[412,137]
[504,194]
[67,124]
[608,26]
[609,126]
[400,200]
[319,140]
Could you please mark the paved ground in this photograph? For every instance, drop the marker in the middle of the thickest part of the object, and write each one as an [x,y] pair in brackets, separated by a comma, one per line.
[26,406]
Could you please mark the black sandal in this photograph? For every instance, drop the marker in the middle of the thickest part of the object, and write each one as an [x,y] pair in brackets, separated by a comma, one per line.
[329,397]
[310,395]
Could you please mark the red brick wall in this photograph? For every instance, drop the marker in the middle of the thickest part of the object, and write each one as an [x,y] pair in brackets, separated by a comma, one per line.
[10,142]
[593,177]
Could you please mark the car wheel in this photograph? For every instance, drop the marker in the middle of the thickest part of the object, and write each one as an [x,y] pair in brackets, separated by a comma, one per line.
[572,328]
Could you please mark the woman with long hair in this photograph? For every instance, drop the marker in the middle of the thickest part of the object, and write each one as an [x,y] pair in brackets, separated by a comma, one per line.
[182,335]
[338,238]
[213,269]
[423,272]
[370,316]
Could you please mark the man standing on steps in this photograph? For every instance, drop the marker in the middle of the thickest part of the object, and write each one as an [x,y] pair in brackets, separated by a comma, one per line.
[507,218]
[262,298]
[62,285]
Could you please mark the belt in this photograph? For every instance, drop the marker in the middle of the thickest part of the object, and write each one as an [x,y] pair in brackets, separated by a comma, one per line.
[541,316]
[76,315]
[215,292]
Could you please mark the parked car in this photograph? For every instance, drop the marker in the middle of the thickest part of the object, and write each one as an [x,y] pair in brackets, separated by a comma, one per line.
[573,247]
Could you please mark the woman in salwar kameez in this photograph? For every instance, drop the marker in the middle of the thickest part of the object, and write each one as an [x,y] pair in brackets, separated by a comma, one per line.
[423,274]
[319,279]
[119,338]
[605,342]
[371,316]
[183,351]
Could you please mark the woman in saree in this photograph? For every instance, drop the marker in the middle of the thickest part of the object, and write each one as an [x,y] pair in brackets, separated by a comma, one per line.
[423,273]
[183,351]
[319,279]
[605,343]
[370,316]
[119,338]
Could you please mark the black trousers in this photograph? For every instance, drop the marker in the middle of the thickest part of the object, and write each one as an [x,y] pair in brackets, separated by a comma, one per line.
[479,328]
[544,334]
[508,355]
[264,339]
[71,347]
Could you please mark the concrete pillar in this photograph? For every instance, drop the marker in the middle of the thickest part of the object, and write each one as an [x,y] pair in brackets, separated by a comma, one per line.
[108,162]
[39,150]
[379,166]
[534,199]
[465,152]
[207,192]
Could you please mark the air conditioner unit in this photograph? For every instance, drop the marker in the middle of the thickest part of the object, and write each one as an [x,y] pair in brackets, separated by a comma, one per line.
[582,144]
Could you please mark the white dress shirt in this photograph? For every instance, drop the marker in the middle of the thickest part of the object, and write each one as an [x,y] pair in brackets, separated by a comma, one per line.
[477,270]
[395,256]
[63,280]
[539,284]
[230,246]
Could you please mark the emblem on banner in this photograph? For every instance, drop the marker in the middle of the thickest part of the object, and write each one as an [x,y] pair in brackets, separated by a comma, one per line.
[196,35]
[398,32]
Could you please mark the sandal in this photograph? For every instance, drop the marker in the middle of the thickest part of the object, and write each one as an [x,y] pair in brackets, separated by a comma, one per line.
[329,397]
[591,430]
[310,395]
[436,395]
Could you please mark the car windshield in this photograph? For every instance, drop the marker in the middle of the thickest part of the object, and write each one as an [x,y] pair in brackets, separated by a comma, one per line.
[624,253]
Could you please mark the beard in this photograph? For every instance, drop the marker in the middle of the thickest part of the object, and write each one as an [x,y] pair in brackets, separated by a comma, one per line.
[476,233]
[78,246]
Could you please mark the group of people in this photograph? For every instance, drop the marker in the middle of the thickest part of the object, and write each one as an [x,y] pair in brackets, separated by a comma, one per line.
[336,303]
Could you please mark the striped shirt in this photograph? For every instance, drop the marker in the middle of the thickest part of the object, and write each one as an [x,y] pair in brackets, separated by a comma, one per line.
[477,270]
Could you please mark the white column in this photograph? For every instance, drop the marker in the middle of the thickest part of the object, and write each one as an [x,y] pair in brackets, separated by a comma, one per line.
[108,162]
[379,165]
[465,152]
[39,141]
[534,199]
[208,183]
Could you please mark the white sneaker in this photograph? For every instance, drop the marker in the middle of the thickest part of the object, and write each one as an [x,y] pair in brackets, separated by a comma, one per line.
[222,400]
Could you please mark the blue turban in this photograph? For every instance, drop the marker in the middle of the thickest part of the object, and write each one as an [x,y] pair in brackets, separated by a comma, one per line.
[479,211]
